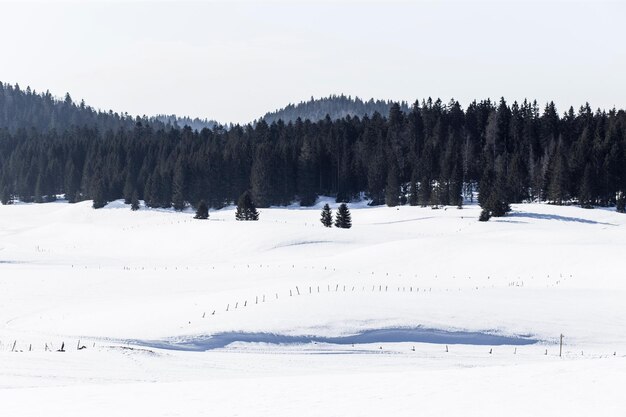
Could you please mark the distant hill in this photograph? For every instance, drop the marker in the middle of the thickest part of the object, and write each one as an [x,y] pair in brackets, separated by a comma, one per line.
[195,123]
[27,109]
[337,107]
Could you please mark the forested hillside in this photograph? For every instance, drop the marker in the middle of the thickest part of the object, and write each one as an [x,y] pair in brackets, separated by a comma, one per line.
[194,123]
[336,107]
[26,109]
[429,155]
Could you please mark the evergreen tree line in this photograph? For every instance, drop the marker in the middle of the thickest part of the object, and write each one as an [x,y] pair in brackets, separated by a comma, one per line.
[433,154]
[26,109]
[335,107]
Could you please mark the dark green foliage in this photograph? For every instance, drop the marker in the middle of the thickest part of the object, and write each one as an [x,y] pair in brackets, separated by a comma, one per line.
[129,189]
[413,192]
[336,107]
[427,153]
[263,178]
[484,215]
[587,187]
[493,198]
[392,190]
[134,202]
[343,219]
[246,209]
[97,193]
[307,189]
[202,212]
[178,195]
[621,202]
[558,190]
[5,196]
[327,216]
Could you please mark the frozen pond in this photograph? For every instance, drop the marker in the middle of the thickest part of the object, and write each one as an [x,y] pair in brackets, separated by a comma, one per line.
[398,335]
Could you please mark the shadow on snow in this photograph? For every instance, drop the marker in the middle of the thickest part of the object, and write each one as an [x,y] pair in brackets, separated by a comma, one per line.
[556,217]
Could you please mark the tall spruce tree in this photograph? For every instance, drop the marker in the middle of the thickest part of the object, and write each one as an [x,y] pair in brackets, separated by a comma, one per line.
[392,190]
[5,197]
[414,190]
[134,201]
[306,175]
[246,210]
[586,194]
[178,185]
[327,216]
[202,213]
[99,200]
[620,205]
[343,219]
[559,177]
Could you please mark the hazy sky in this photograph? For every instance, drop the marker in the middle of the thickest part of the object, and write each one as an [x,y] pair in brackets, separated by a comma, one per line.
[233,61]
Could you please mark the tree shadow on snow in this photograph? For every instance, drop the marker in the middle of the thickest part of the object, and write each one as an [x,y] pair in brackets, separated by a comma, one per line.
[556,217]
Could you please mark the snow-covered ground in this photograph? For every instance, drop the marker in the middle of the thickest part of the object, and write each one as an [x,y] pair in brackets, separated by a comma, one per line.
[145,291]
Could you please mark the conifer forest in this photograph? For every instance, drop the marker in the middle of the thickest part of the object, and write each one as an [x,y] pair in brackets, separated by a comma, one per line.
[433,153]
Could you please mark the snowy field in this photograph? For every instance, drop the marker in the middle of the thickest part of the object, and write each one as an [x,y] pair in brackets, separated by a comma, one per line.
[413,311]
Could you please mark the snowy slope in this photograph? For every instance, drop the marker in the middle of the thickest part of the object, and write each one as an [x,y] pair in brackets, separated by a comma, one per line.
[126,283]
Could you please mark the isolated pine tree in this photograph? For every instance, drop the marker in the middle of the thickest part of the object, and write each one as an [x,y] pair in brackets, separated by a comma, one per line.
[246,209]
[343,219]
[202,212]
[134,201]
[327,216]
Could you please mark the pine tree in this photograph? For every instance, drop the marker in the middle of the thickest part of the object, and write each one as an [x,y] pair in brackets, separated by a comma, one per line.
[306,175]
[99,200]
[343,219]
[202,212]
[497,202]
[585,195]
[5,197]
[262,179]
[559,177]
[493,196]
[327,216]
[178,195]
[621,202]
[246,209]
[392,190]
[484,215]
[425,190]
[413,190]
[455,188]
[134,201]
[129,188]
[38,192]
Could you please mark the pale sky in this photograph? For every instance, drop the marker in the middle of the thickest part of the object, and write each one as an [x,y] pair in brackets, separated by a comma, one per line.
[234,61]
